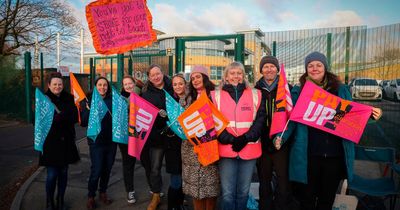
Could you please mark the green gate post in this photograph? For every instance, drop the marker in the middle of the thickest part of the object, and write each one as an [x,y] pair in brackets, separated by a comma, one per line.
[120,69]
[170,62]
[130,65]
[91,75]
[347,62]
[41,72]
[179,57]
[274,48]
[239,48]
[329,50]
[170,65]
[28,86]
[111,69]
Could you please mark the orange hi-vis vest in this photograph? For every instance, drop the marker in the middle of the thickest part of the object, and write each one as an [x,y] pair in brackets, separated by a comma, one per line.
[241,116]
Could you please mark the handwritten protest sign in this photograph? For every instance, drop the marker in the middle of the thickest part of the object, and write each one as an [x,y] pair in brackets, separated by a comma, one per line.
[322,110]
[118,26]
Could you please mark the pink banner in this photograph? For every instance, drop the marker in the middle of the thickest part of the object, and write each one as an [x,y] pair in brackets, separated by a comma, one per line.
[322,110]
[283,105]
[142,115]
[118,26]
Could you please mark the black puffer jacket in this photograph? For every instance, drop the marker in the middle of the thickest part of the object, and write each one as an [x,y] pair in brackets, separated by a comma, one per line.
[59,148]
[258,125]
[157,97]
[269,97]
[105,135]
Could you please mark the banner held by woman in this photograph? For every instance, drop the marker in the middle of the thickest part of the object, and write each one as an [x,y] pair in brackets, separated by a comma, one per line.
[44,113]
[322,110]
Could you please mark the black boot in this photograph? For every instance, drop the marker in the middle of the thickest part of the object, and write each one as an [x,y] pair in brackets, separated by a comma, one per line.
[50,203]
[60,203]
[172,199]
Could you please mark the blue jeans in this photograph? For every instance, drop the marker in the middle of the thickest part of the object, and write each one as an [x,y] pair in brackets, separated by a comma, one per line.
[56,176]
[175,181]
[102,159]
[235,176]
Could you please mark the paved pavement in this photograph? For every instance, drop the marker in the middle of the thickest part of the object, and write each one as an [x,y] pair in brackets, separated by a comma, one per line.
[32,194]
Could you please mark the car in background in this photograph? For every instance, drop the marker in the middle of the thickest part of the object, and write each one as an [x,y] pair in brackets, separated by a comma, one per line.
[384,84]
[365,89]
[393,90]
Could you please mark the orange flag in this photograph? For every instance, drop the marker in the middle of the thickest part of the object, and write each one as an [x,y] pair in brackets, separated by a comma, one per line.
[201,125]
[76,89]
[77,92]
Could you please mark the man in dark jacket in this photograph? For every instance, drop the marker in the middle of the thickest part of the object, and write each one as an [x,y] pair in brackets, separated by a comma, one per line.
[271,159]
[154,150]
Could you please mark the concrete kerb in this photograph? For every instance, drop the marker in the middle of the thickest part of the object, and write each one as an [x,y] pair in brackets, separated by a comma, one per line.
[6,124]
[16,204]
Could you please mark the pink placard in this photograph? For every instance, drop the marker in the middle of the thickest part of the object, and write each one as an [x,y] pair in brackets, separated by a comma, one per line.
[322,110]
[118,26]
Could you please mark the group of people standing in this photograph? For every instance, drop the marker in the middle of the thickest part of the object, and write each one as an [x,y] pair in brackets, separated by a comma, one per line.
[317,161]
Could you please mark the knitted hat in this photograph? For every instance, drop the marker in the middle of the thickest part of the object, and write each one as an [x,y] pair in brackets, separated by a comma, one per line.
[316,56]
[199,69]
[269,59]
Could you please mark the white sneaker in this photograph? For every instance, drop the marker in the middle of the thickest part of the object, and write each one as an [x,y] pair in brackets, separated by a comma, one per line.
[131,197]
[161,193]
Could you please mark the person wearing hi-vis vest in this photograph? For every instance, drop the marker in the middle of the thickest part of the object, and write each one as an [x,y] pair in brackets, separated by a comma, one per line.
[239,145]
[271,160]
[318,160]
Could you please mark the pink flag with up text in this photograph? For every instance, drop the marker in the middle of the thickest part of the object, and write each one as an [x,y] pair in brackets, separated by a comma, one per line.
[142,115]
[322,110]
[283,105]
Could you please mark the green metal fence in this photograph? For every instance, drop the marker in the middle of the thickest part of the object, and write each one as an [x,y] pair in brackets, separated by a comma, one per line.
[214,52]
[357,54]
[368,59]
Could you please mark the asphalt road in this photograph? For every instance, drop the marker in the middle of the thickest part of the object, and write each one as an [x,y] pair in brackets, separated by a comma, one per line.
[16,151]
[385,132]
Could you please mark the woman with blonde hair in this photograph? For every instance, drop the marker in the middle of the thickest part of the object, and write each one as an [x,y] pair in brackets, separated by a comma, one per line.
[239,145]
[128,162]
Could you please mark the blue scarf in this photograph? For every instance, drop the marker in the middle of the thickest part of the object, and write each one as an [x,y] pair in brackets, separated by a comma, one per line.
[271,87]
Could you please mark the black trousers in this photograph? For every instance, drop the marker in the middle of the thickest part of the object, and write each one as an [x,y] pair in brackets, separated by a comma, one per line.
[128,167]
[266,164]
[156,160]
[324,176]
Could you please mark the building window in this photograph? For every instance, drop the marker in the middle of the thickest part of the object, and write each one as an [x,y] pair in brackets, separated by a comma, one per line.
[216,72]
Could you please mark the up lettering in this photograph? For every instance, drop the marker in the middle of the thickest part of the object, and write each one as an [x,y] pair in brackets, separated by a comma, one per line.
[218,123]
[143,120]
[320,114]
[194,124]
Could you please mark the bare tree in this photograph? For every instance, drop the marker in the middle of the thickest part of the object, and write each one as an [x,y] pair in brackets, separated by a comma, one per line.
[387,59]
[21,21]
